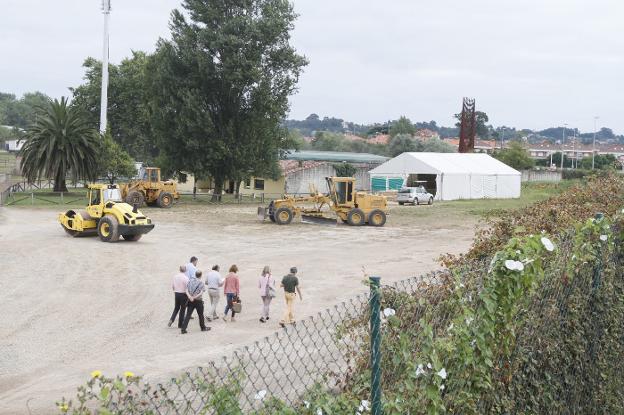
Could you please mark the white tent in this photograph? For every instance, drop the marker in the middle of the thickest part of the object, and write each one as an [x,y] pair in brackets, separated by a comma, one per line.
[449,176]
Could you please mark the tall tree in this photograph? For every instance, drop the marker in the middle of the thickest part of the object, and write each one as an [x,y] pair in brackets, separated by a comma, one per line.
[220,87]
[60,142]
[128,115]
[402,143]
[20,113]
[402,126]
[515,156]
[113,161]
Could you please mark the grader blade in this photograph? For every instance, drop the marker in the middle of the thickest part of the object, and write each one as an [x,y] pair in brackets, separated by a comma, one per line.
[318,220]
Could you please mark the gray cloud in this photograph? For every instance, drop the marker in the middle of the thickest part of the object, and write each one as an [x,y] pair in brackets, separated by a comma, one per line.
[528,63]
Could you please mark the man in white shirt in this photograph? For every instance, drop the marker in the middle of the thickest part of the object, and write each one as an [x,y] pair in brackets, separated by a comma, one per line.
[213,282]
[191,268]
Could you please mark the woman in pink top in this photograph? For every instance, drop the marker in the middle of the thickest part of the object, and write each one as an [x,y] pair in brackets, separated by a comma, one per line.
[266,285]
[231,289]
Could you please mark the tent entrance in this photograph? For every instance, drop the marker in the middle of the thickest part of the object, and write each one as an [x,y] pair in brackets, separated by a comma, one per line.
[427,180]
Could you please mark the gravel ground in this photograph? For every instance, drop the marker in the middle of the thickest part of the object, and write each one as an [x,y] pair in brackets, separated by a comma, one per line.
[73,305]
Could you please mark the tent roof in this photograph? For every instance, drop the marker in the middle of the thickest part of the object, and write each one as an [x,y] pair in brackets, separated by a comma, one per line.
[447,163]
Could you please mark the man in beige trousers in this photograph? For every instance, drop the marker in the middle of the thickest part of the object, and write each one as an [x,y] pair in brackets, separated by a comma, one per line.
[290,283]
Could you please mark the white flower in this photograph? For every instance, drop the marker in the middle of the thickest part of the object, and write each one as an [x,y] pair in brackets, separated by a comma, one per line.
[319,411]
[461,285]
[469,320]
[512,265]
[364,406]
[450,327]
[420,370]
[518,251]
[306,404]
[428,365]
[473,342]
[389,312]
[548,244]
[442,373]
[441,387]
[603,238]
[260,395]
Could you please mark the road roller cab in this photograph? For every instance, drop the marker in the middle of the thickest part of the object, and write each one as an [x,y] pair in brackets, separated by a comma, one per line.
[107,216]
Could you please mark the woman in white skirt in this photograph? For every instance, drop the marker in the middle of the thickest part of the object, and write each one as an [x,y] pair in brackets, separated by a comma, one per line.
[266,285]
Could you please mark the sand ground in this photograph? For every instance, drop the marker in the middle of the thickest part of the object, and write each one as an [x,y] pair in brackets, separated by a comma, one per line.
[73,305]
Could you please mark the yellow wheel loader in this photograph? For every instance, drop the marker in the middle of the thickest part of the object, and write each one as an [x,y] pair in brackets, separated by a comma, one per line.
[106,216]
[150,189]
[347,204]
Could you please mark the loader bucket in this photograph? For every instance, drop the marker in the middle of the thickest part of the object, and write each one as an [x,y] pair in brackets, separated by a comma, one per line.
[262,213]
[318,220]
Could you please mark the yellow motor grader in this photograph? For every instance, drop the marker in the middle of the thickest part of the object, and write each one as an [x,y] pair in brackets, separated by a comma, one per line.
[106,216]
[350,206]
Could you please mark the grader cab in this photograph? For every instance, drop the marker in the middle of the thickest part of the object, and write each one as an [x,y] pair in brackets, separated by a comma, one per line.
[106,216]
[350,206]
[150,189]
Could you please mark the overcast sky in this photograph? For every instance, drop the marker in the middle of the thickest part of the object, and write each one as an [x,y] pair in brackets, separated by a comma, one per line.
[528,63]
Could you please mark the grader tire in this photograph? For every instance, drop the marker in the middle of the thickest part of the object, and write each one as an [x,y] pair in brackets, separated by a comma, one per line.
[108,229]
[165,200]
[135,198]
[356,217]
[132,238]
[377,218]
[283,216]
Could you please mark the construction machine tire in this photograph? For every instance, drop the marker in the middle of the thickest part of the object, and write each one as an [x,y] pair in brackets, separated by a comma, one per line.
[271,211]
[401,203]
[108,229]
[165,200]
[377,218]
[356,217]
[135,198]
[132,238]
[283,216]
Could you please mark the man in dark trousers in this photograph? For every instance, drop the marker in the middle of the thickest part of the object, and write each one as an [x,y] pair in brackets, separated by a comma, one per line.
[194,291]
[179,283]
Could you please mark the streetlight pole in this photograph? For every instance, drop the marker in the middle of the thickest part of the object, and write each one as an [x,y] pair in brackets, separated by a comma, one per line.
[594,145]
[503,138]
[562,145]
[106,8]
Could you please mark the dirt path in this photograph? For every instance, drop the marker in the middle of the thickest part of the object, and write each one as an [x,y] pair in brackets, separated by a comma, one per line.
[70,306]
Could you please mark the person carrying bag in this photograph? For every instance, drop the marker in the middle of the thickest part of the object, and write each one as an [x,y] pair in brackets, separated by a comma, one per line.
[266,286]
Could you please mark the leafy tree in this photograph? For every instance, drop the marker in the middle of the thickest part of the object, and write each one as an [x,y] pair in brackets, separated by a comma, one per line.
[515,156]
[128,115]
[402,126]
[220,87]
[601,162]
[113,161]
[435,145]
[20,113]
[326,141]
[60,142]
[482,119]
[344,169]
[402,143]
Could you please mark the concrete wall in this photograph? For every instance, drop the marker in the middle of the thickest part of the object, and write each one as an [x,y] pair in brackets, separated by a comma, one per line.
[299,181]
[541,176]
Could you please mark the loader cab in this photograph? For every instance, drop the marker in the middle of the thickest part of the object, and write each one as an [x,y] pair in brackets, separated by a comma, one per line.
[341,190]
[152,174]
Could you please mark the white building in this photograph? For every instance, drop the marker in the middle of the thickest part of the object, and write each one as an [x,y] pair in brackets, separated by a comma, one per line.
[449,176]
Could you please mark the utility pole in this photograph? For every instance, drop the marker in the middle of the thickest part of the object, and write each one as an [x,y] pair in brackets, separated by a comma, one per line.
[106,8]
[594,145]
[574,149]
[503,137]
[562,145]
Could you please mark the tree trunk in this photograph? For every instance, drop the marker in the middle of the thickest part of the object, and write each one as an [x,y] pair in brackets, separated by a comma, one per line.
[59,182]
[218,189]
[194,186]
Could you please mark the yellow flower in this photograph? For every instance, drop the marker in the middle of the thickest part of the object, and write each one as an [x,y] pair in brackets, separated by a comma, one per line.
[96,374]
[128,374]
[63,407]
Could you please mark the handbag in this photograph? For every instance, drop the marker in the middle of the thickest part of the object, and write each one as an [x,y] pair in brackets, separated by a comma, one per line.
[272,292]
[237,306]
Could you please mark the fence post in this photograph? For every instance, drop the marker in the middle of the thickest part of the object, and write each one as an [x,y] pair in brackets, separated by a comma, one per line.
[61,198]
[32,198]
[375,326]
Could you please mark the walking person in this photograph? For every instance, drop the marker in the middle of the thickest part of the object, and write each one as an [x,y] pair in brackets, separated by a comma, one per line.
[191,267]
[213,283]
[179,283]
[266,285]
[290,283]
[194,290]
[231,289]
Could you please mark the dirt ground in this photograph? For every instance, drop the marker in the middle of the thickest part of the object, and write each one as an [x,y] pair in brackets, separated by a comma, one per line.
[73,305]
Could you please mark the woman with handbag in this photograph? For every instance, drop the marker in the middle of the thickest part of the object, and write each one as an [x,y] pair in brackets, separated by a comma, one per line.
[231,289]
[266,285]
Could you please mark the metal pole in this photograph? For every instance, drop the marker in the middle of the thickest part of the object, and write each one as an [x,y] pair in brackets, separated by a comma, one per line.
[375,326]
[594,145]
[562,145]
[106,7]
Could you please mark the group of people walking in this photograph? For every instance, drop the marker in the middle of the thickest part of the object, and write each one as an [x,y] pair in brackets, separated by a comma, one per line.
[189,287]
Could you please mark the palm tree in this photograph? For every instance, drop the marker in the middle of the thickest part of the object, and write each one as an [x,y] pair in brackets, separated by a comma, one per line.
[60,142]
